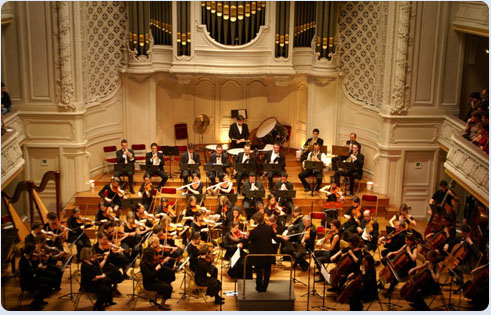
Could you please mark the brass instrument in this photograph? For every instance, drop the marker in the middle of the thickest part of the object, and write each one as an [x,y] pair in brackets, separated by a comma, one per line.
[155,159]
[352,158]
[130,156]
[308,159]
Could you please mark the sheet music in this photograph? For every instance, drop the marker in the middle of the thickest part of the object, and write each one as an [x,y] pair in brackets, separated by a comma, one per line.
[235,258]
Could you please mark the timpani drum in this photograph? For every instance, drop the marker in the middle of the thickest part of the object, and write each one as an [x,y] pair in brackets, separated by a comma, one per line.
[213,147]
[235,151]
[271,131]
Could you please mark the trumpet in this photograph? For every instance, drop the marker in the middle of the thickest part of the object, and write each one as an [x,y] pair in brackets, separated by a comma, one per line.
[128,153]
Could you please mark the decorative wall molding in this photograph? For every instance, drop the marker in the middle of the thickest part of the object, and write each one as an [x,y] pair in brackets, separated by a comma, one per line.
[413,133]
[451,126]
[12,159]
[13,121]
[473,18]
[40,129]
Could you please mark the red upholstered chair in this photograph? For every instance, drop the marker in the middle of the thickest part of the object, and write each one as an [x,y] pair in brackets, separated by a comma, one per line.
[140,151]
[109,157]
[168,190]
[319,216]
[370,202]
[289,129]
[181,132]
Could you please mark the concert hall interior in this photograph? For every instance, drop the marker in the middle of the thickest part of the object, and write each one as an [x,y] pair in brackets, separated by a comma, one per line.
[245,155]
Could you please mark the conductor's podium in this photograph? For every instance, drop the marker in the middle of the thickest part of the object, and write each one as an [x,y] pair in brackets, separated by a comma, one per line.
[280,296]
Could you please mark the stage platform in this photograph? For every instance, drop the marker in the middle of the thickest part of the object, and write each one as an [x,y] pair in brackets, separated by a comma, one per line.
[277,297]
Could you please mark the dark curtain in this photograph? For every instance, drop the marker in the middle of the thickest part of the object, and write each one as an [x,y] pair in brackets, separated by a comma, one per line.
[183,28]
[139,26]
[325,28]
[304,21]
[233,22]
[161,22]
[282,35]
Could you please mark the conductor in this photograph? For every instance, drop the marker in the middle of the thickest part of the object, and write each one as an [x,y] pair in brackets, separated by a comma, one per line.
[260,242]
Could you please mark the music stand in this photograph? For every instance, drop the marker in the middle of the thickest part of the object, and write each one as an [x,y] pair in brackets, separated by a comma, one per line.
[256,194]
[340,150]
[150,168]
[130,203]
[245,167]
[314,166]
[231,197]
[124,168]
[170,151]
[273,167]
[213,168]
[349,167]
[285,194]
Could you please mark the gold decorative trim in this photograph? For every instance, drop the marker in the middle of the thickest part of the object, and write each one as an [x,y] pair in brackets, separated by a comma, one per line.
[471,30]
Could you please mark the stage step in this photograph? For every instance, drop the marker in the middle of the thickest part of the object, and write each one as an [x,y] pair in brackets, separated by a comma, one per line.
[280,296]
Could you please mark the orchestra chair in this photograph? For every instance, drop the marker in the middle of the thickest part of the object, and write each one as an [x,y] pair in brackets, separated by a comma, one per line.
[181,133]
[289,129]
[140,152]
[170,191]
[346,183]
[109,157]
[193,289]
[139,291]
[92,296]
[370,202]
[319,216]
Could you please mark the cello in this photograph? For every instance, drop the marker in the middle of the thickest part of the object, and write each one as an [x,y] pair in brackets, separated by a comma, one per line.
[471,287]
[340,270]
[419,280]
[386,275]
[349,288]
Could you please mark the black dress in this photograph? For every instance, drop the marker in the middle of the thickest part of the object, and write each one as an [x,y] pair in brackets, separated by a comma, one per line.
[202,279]
[152,282]
[101,287]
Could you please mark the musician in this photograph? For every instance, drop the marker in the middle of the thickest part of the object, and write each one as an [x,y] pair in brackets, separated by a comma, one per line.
[156,158]
[395,240]
[404,216]
[250,204]
[153,280]
[219,157]
[439,195]
[225,187]
[94,280]
[472,253]
[272,207]
[105,214]
[199,225]
[305,244]
[333,192]
[355,252]
[368,230]
[260,242]
[450,233]
[281,185]
[58,232]
[206,275]
[349,143]
[315,155]
[142,216]
[46,266]
[193,251]
[310,142]
[196,186]
[36,229]
[353,215]
[431,287]
[329,245]
[244,158]
[224,211]
[119,256]
[146,191]
[31,280]
[238,216]
[296,218]
[274,157]
[164,258]
[111,193]
[238,133]
[234,240]
[368,290]
[102,249]
[135,231]
[411,250]
[167,230]
[165,209]
[189,157]
[125,156]
[77,226]
[358,159]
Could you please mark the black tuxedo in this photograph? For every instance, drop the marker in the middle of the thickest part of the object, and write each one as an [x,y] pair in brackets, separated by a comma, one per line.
[213,160]
[307,143]
[260,242]
[250,204]
[287,202]
[337,159]
[120,160]
[281,161]
[356,173]
[160,172]
[234,133]
[240,175]
[184,161]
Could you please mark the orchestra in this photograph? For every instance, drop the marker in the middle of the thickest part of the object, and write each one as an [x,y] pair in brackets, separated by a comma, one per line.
[157,235]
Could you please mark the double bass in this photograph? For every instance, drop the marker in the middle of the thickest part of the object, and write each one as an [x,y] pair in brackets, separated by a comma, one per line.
[443,207]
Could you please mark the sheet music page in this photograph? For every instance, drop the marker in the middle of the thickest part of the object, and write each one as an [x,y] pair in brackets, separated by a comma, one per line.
[235,258]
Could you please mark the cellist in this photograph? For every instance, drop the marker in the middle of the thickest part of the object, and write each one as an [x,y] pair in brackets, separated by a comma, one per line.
[354,253]
[411,250]
[471,253]
[368,290]
[429,288]
[450,234]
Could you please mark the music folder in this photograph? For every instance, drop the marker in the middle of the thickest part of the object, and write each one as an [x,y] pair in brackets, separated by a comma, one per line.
[275,168]
[255,194]
[314,165]
[124,167]
[245,167]
[189,167]
[213,167]
[286,193]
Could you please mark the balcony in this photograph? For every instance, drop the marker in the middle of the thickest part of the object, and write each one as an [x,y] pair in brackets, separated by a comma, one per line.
[12,159]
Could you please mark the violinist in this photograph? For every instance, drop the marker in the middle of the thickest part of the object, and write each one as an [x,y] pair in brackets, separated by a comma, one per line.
[102,251]
[225,187]
[238,216]
[368,230]
[134,231]
[146,191]
[235,239]
[162,257]
[153,280]
[167,238]
[77,226]
[329,245]
[188,157]
[305,242]
[144,217]
[219,157]
[196,187]
[191,208]
[155,158]
[201,225]
[250,204]
[278,228]
[112,193]
[105,213]
[94,280]
[296,217]
[245,157]
[118,256]
[223,213]
[166,209]
[394,240]
[438,197]
[354,253]
[315,155]
[260,242]
[358,160]
[274,157]
[282,185]
[125,156]
[36,229]
[404,216]
[368,290]
[353,215]
[333,192]
[46,265]
[31,280]
[206,275]
[58,233]
[431,287]
[272,207]
[410,249]
[193,251]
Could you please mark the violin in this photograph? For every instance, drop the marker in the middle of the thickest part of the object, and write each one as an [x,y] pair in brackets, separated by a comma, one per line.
[327,238]
[149,187]
[356,213]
